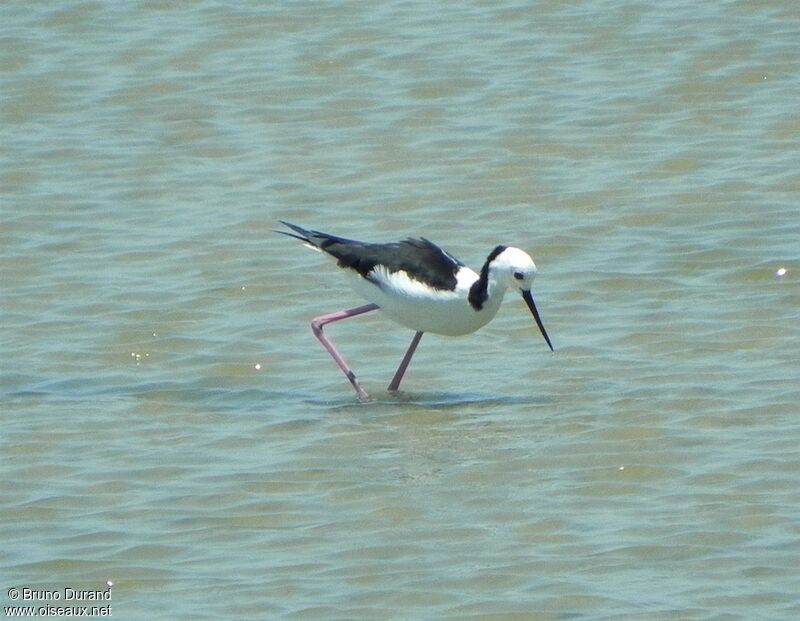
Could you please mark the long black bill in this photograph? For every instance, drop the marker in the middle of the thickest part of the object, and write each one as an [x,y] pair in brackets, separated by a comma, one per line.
[526,295]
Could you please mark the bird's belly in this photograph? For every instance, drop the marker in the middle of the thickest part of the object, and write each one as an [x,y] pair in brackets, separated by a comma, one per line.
[450,318]
[438,312]
[436,318]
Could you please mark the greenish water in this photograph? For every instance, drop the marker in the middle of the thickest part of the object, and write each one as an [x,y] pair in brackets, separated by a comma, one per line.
[170,424]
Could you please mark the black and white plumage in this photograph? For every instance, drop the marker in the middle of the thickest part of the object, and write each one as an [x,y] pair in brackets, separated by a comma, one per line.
[421,286]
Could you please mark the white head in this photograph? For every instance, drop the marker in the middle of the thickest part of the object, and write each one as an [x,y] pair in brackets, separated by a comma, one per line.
[514,267]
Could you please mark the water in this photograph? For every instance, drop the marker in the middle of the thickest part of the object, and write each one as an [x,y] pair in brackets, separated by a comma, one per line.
[169,423]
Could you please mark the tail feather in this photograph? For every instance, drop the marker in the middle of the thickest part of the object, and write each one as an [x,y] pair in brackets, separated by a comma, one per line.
[314,239]
[302,234]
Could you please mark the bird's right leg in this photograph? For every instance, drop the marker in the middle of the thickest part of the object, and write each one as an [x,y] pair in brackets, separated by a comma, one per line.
[319,322]
[398,376]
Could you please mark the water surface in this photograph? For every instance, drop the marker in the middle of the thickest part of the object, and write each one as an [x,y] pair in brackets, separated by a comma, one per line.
[170,424]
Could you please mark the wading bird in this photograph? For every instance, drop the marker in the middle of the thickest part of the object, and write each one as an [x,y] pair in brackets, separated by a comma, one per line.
[420,286]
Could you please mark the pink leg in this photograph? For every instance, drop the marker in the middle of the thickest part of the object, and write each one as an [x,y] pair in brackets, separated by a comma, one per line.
[398,376]
[319,322]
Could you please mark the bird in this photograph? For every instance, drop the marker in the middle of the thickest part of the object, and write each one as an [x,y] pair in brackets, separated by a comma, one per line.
[420,286]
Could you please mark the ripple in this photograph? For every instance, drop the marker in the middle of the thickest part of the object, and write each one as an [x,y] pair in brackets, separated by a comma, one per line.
[170,423]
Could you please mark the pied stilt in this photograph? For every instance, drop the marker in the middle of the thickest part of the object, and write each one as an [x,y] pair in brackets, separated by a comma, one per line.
[420,286]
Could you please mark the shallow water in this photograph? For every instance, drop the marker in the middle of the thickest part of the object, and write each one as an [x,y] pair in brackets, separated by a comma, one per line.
[170,424]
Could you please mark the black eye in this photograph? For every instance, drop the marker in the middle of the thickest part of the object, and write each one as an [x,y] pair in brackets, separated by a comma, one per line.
[519,275]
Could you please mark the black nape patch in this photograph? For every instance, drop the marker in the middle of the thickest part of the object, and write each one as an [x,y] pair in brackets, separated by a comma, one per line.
[478,292]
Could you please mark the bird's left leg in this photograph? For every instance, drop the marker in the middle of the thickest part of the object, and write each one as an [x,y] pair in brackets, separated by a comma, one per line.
[398,376]
[320,322]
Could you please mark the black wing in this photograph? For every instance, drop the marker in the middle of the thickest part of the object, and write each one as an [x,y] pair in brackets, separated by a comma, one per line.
[421,259]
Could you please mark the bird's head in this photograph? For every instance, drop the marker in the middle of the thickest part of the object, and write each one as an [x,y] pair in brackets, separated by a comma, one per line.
[514,267]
